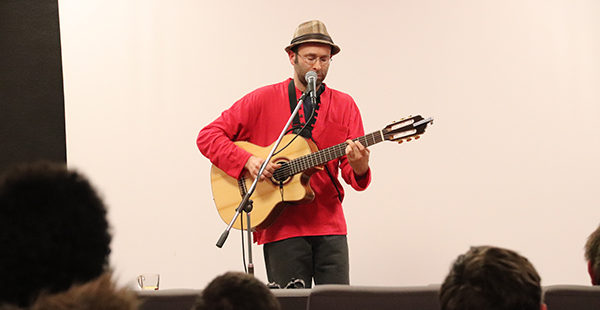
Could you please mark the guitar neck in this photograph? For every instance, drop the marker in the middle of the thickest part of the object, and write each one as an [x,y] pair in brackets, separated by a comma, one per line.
[321,157]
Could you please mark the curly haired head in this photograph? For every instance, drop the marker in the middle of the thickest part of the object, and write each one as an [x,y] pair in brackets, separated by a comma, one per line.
[53,231]
[236,291]
[491,278]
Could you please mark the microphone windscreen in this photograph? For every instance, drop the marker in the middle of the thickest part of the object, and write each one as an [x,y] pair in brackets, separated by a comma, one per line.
[310,74]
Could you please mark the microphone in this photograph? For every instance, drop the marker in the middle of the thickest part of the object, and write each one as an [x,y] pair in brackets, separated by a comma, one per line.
[311,80]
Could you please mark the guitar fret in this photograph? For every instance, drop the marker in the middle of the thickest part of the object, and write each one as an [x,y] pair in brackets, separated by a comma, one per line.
[323,156]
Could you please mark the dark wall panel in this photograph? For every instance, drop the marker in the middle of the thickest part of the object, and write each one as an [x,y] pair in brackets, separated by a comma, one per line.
[32,118]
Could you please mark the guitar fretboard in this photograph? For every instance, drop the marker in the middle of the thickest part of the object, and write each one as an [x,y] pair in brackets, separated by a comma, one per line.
[320,157]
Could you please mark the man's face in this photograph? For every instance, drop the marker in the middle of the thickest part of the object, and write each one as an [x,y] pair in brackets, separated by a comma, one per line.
[311,57]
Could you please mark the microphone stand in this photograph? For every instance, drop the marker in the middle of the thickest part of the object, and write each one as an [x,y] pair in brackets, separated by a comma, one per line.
[246,204]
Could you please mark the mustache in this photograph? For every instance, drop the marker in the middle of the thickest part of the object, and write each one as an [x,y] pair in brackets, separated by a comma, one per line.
[320,78]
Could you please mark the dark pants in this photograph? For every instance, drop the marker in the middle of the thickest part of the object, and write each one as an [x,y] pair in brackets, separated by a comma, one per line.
[322,258]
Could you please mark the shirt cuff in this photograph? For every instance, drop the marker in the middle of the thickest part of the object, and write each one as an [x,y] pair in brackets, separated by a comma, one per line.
[363,180]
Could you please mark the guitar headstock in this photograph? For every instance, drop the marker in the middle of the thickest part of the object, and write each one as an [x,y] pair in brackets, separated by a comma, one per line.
[406,129]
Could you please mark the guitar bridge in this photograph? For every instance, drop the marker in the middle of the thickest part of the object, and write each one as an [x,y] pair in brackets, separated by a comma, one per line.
[242,186]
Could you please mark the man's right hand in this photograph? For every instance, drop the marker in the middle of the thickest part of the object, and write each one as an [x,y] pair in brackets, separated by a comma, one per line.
[253,166]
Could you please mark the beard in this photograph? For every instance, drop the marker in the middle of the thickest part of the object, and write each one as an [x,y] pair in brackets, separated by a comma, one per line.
[301,71]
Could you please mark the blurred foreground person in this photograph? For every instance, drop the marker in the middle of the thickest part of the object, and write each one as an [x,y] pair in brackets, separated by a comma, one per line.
[489,277]
[54,236]
[236,291]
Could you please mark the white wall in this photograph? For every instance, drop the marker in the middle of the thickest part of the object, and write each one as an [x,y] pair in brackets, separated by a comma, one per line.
[514,87]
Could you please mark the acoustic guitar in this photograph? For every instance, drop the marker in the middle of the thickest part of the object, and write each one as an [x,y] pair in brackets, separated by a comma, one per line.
[299,159]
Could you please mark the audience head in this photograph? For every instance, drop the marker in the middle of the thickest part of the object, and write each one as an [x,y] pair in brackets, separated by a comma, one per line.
[491,278]
[592,255]
[53,231]
[98,294]
[236,291]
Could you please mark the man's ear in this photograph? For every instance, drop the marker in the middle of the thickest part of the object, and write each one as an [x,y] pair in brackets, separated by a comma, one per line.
[292,55]
[591,273]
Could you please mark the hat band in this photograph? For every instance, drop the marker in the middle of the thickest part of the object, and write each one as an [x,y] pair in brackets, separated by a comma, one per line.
[312,36]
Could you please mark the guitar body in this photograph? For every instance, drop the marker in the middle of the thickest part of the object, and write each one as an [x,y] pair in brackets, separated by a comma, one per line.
[269,199]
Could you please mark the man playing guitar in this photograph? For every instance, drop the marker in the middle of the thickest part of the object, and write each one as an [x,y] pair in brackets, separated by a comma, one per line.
[307,240]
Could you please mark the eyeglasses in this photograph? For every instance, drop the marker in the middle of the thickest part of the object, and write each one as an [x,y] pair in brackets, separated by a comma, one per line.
[312,59]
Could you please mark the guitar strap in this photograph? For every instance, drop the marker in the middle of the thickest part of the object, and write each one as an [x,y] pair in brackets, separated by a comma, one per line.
[333,182]
[293,103]
[307,132]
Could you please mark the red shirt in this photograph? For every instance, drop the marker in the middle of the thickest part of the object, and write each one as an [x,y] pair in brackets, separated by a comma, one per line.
[259,118]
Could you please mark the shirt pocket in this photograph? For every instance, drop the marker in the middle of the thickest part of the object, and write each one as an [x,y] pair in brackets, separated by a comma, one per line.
[330,134]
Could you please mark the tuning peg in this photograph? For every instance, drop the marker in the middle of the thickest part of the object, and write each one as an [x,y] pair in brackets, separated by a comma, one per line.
[408,140]
[417,137]
[400,141]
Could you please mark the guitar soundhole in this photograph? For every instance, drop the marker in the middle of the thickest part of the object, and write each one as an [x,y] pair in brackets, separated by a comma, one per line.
[282,174]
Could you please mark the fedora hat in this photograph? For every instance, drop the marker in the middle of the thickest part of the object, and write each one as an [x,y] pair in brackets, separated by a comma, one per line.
[313,31]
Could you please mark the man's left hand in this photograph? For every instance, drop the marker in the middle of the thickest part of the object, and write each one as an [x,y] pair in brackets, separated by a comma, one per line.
[358,157]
